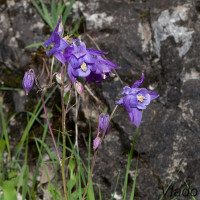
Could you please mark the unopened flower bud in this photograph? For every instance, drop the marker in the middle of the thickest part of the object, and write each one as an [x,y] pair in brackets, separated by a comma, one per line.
[96,143]
[28,81]
[103,121]
[58,78]
[79,87]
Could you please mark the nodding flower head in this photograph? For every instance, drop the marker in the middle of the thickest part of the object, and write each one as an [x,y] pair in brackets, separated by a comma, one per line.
[96,142]
[79,87]
[135,100]
[28,81]
[103,121]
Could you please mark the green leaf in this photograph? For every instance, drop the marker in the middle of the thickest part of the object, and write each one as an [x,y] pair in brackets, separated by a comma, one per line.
[59,8]
[130,156]
[53,13]
[134,182]
[46,14]
[33,118]
[67,11]
[34,45]
[8,188]
[38,8]
[2,148]
[76,26]
[5,133]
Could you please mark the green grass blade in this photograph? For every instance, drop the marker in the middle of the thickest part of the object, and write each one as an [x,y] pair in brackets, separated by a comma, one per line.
[76,26]
[59,8]
[43,164]
[4,129]
[22,172]
[47,149]
[116,185]
[78,159]
[38,8]
[134,182]
[54,14]
[130,156]
[166,190]
[38,161]
[80,187]
[90,191]
[46,14]
[191,194]
[28,127]
[11,89]
[25,184]
[31,122]
[34,45]
[67,11]
[100,197]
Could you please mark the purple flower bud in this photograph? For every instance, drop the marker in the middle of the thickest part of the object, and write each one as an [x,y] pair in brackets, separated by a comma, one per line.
[79,88]
[96,143]
[103,121]
[28,81]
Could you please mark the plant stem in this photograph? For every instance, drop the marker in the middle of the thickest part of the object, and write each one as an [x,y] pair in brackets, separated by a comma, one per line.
[70,92]
[63,131]
[95,153]
[49,125]
[76,122]
[130,156]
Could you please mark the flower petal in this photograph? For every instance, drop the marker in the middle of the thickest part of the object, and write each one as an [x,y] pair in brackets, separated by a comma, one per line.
[81,73]
[119,101]
[153,95]
[95,52]
[133,101]
[137,116]
[79,48]
[59,56]
[138,83]
[69,71]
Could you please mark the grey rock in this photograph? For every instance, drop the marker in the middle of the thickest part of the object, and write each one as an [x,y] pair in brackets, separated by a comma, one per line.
[159,38]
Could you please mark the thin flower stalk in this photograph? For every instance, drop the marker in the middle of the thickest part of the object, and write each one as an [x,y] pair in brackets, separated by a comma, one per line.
[63,130]
[70,92]
[46,115]
[49,125]
[95,153]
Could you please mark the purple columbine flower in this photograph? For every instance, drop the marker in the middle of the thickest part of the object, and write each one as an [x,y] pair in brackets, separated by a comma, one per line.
[103,121]
[28,81]
[103,70]
[81,61]
[135,100]
[59,43]
[88,63]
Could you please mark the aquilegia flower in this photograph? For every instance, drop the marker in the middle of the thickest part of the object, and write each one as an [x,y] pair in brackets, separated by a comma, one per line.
[28,81]
[135,100]
[86,63]
[59,43]
[103,121]
[82,62]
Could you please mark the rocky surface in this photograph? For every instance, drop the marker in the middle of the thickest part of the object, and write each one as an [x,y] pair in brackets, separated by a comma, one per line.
[159,38]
